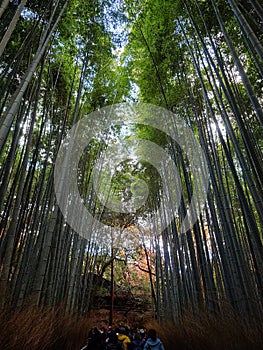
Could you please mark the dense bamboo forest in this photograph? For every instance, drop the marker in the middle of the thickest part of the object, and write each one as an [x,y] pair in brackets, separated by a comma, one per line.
[131,173]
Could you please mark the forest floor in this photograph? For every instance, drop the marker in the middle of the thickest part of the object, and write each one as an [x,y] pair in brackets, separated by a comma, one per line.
[45,329]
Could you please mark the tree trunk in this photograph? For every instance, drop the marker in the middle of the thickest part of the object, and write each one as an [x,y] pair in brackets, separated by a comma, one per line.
[11,27]
[3,7]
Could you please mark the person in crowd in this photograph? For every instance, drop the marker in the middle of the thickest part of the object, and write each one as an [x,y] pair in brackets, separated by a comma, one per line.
[123,338]
[143,334]
[103,337]
[128,332]
[137,343]
[112,342]
[109,331]
[95,340]
[153,343]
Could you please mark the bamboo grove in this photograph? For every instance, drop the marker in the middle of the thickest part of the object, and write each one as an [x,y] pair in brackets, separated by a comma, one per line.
[202,60]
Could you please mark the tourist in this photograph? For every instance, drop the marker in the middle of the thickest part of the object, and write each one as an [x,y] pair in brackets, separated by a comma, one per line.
[153,343]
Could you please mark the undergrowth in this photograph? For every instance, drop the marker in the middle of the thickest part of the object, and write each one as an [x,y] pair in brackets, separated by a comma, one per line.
[211,332]
[34,328]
